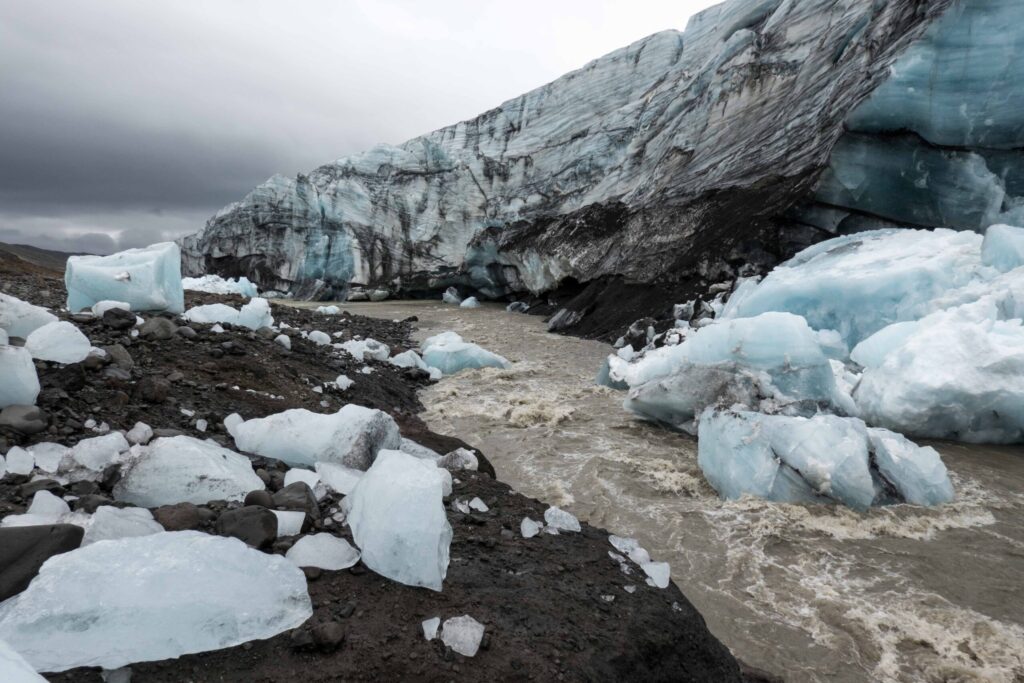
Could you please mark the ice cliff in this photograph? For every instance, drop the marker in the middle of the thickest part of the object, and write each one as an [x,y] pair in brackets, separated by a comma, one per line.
[765,126]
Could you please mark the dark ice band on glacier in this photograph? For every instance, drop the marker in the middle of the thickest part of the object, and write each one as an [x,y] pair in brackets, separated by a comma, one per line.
[830,190]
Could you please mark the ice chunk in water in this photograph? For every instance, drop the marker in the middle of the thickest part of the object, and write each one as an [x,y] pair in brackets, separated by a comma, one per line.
[60,342]
[560,519]
[398,520]
[450,354]
[430,627]
[109,522]
[325,551]
[182,469]
[149,279]
[152,597]
[1003,247]
[470,302]
[14,668]
[20,385]
[451,296]
[367,349]
[529,528]
[463,634]
[351,437]
[916,471]
[20,318]
[338,477]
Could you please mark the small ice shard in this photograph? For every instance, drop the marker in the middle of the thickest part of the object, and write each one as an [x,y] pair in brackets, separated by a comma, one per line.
[478,505]
[409,359]
[45,504]
[182,469]
[319,338]
[397,518]
[460,506]
[101,307]
[450,354]
[141,433]
[60,342]
[328,310]
[109,522]
[255,314]
[215,284]
[148,279]
[100,451]
[48,456]
[14,668]
[232,421]
[351,437]
[19,318]
[343,382]
[20,461]
[657,573]
[1003,247]
[367,349]
[289,522]
[217,329]
[470,302]
[201,425]
[283,340]
[20,386]
[529,528]
[629,589]
[430,627]
[463,634]
[557,518]
[451,296]
[324,551]
[338,477]
[152,597]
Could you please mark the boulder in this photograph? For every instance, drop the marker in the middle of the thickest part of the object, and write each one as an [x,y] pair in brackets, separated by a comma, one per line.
[24,549]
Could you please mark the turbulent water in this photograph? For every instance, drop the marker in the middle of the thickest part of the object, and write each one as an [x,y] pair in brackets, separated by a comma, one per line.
[808,593]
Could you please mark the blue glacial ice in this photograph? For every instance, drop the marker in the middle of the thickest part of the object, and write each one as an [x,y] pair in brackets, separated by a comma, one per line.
[20,385]
[822,459]
[450,354]
[149,279]
[14,668]
[1003,247]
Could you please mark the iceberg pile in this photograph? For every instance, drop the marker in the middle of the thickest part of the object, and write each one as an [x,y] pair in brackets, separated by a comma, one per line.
[150,598]
[398,520]
[254,315]
[450,353]
[148,279]
[351,437]
[215,284]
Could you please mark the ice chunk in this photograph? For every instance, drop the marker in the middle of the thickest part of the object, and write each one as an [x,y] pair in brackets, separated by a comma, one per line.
[398,520]
[449,354]
[212,313]
[48,456]
[319,338]
[101,307]
[430,627]
[871,352]
[232,421]
[150,598]
[20,461]
[289,522]
[366,349]
[61,342]
[412,448]
[562,520]
[343,382]
[657,573]
[338,477]
[529,528]
[109,522]
[328,310]
[19,318]
[14,668]
[45,504]
[312,479]
[284,340]
[141,433]
[1003,247]
[409,359]
[100,451]
[916,471]
[215,284]
[4,339]
[182,469]
[470,302]
[451,296]
[148,279]
[253,315]
[478,505]
[351,437]
[324,551]
[20,385]
[463,634]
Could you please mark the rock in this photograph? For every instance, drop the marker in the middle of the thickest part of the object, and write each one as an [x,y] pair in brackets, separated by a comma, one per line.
[23,550]
[178,517]
[259,497]
[266,332]
[160,329]
[328,636]
[51,485]
[24,419]
[253,524]
[297,496]
[90,502]
[186,332]
[118,319]
[153,389]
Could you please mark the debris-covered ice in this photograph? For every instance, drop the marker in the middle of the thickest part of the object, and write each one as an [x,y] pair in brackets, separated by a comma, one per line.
[366,349]
[398,520]
[324,551]
[462,634]
[148,279]
[183,469]
[351,437]
[152,597]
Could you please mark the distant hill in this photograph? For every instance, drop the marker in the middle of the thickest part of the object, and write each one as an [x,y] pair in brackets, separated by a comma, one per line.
[44,259]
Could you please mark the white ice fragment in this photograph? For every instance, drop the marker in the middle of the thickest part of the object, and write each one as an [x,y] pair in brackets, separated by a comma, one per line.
[325,551]
[20,461]
[463,634]
[152,597]
[529,528]
[328,310]
[343,382]
[451,296]
[562,520]
[319,338]
[101,307]
[430,627]
[14,668]
[289,522]
[201,425]
[20,385]
[19,318]
[100,451]
[109,522]
[89,424]
[284,340]
[657,573]
[45,504]
[398,520]
[217,329]
[629,589]
[48,456]
[1003,247]
[478,505]
[232,421]
[253,315]
[215,284]
[338,477]
[367,349]
[460,506]
[318,390]
[148,279]
[412,448]
[182,469]
[469,302]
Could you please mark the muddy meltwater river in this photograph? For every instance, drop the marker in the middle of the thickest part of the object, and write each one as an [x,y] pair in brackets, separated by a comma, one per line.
[808,593]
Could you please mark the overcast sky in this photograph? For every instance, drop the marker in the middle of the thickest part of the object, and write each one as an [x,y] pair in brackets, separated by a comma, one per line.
[125,122]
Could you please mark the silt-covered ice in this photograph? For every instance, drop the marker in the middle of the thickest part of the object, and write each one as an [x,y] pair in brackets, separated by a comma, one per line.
[150,598]
[149,279]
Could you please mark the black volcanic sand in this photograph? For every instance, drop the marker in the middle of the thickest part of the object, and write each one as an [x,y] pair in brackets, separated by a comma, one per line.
[554,607]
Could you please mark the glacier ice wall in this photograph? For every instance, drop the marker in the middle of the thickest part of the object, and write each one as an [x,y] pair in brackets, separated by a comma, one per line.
[659,158]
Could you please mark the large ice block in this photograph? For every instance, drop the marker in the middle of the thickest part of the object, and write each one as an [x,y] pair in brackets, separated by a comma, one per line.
[182,469]
[61,342]
[449,353]
[351,437]
[19,318]
[149,279]
[150,598]
[398,520]
[20,385]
